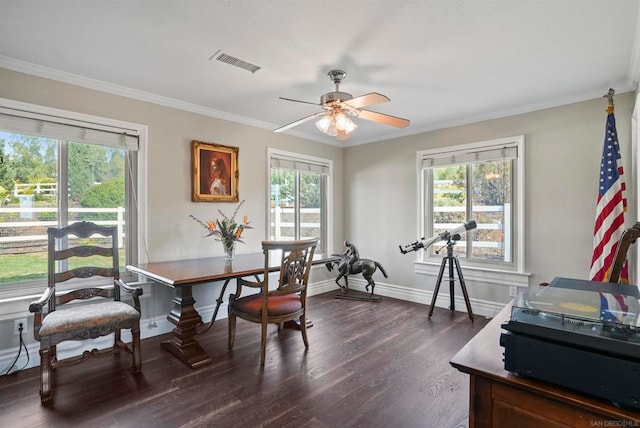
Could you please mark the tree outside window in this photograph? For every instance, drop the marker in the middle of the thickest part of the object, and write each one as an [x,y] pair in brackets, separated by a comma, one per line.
[94,190]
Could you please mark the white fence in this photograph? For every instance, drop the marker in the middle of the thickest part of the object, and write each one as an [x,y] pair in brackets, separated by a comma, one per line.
[278,224]
[119,222]
[48,189]
[505,227]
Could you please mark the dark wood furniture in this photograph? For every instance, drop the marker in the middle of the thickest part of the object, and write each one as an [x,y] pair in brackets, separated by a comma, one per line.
[182,275]
[498,398]
[285,300]
[629,236]
[55,321]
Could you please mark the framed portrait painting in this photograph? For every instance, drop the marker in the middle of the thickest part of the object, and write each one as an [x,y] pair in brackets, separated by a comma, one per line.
[214,172]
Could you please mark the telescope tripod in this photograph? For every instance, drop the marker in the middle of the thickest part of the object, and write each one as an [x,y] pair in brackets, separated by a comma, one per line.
[453,262]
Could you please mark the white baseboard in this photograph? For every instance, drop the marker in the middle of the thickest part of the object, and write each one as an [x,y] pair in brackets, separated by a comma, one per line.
[322,287]
[160,325]
[148,328]
[479,307]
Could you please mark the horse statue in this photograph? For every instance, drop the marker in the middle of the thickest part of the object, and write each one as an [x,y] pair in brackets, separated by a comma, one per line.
[350,263]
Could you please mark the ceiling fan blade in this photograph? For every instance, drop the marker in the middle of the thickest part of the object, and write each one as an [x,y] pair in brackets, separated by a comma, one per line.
[387,119]
[367,100]
[298,122]
[298,101]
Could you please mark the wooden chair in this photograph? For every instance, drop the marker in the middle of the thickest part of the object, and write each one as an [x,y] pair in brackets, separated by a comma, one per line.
[58,316]
[628,237]
[286,301]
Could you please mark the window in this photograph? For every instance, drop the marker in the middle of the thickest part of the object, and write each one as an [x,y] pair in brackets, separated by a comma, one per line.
[58,168]
[298,207]
[482,182]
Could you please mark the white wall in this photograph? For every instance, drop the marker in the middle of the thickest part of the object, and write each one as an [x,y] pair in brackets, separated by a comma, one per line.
[563,150]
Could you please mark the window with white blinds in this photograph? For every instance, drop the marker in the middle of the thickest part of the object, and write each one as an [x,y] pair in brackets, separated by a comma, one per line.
[58,168]
[299,189]
[483,182]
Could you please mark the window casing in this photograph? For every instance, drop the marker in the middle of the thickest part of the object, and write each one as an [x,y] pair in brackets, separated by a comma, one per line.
[483,182]
[299,187]
[96,160]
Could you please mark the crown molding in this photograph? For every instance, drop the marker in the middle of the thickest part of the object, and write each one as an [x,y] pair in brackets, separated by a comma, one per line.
[620,88]
[98,85]
[49,73]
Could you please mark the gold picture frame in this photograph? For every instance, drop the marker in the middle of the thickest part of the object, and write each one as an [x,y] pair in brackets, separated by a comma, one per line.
[214,172]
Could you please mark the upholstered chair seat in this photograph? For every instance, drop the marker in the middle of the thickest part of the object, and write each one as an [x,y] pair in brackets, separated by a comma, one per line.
[276,306]
[94,320]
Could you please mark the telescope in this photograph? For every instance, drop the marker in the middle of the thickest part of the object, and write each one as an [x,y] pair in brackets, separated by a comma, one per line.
[453,234]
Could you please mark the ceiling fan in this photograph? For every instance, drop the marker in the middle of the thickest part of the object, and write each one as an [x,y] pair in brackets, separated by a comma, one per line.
[339,107]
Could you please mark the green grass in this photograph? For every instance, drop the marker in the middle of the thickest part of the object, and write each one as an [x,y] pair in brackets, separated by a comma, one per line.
[23,267]
[33,266]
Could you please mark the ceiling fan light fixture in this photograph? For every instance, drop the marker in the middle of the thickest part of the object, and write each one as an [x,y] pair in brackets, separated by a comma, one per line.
[333,122]
[344,123]
[323,124]
[341,121]
[332,130]
[351,126]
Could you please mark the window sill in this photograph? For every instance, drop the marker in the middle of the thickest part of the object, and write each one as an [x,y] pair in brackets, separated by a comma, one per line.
[473,273]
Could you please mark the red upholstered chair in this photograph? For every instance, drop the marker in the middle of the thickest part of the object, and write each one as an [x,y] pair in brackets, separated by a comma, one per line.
[280,300]
[59,316]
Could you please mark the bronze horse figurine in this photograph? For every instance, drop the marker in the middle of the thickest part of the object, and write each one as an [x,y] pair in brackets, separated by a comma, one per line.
[350,263]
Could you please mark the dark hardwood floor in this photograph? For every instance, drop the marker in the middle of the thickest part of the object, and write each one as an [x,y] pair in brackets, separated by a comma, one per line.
[368,365]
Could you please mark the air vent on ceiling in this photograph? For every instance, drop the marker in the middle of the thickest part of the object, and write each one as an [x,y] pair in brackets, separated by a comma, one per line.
[228,59]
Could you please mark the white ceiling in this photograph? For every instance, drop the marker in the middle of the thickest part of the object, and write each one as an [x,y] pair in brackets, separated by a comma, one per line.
[441,63]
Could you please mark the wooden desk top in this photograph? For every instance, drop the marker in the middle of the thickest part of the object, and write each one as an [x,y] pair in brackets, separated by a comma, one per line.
[483,356]
[178,273]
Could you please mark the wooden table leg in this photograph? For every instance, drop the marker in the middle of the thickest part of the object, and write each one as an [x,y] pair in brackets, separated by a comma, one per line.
[186,319]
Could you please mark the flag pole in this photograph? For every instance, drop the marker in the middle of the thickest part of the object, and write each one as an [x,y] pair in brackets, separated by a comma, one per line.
[611,205]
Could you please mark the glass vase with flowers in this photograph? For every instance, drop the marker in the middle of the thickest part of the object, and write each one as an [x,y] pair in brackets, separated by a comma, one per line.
[226,230]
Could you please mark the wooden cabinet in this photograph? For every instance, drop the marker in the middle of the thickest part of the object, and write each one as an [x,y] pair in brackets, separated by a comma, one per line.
[499,398]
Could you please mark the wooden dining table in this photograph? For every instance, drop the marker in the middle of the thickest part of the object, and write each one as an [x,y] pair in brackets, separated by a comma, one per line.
[182,275]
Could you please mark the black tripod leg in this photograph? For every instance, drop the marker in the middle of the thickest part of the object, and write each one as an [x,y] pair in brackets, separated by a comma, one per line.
[435,291]
[464,290]
[452,281]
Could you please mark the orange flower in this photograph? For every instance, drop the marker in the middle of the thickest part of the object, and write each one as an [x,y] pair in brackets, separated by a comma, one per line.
[226,230]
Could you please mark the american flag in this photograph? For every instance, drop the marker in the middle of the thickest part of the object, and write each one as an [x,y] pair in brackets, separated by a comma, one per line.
[614,307]
[609,224]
